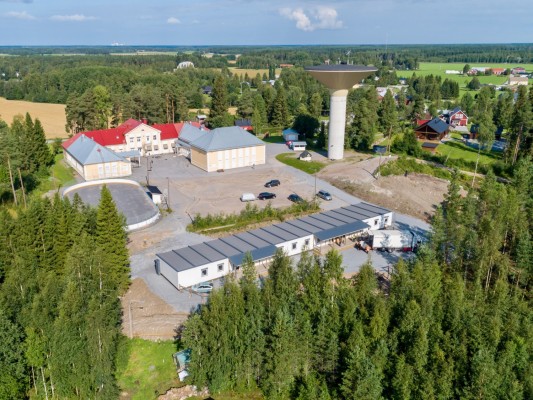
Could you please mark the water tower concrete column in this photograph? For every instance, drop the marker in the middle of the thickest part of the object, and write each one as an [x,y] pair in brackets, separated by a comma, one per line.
[338,78]
[337,123]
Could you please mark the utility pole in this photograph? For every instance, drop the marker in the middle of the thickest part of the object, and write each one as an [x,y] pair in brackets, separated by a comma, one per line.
[11,180]
[168,193]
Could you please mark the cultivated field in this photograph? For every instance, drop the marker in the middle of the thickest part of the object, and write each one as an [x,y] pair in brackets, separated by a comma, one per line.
[440,69]
[52,116]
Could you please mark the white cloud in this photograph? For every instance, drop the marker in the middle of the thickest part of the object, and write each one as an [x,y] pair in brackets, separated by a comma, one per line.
[73,17]
[20,15]
[317,18]
[173,21]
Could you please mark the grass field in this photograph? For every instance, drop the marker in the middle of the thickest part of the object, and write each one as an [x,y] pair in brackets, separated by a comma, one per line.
[459,151]
[52,116]
[440,69]
[310,167]
[149,370]
[61,175]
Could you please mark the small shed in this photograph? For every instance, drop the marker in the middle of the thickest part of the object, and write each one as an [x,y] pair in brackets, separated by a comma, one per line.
[299,146]
[155,194]
[290,135]
[305,156]
[430,146]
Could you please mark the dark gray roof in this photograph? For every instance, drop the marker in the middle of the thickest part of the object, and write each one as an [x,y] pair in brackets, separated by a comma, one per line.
[267,236]
[257,254]
[341,68]
[231,137]
[239,244]
[437,124]
[304,225]
[285,235]
[316,222]
[341,230]
[176,262]
[430,145]
[153,189]
[293,229]
[222,248]
[253,240]
[261,242]
[341,217]
[208,252]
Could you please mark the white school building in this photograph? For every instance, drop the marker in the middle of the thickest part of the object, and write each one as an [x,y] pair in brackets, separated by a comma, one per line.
[214,259]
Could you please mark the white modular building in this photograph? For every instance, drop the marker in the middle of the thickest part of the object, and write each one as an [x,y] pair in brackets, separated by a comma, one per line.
[213,259]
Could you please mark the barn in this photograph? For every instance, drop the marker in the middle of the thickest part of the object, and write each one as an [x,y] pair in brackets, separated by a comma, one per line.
[210,260]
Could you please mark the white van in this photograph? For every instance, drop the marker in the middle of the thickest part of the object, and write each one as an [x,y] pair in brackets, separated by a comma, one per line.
[247,197]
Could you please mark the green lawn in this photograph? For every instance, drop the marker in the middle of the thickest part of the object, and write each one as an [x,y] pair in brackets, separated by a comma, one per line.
[440,70]
[310,167]
[459,151]
[60,175]
[147,369]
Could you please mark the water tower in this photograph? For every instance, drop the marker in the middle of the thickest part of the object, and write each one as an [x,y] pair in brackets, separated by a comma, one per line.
[339,78]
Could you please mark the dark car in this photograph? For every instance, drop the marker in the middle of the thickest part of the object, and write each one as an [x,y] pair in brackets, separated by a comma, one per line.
[324,195]
[266,196]
[295,198]
[273,182]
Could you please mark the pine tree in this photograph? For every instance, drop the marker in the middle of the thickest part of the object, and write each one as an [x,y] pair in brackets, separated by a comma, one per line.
[13,379]
[279,114]
[112,239]
[388,117]
[219,98]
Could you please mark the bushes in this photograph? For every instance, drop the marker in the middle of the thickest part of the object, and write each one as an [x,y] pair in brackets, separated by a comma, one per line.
[249,215]
[404,164]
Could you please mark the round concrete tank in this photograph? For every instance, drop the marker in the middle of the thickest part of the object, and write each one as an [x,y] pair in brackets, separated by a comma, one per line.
[339,78]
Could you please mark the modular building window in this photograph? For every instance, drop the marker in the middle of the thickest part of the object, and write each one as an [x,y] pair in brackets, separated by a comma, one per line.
[294,245]
[220,267]
[204,272]
[307,242]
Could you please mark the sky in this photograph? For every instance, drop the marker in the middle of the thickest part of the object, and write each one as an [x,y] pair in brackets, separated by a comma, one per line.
[255,22]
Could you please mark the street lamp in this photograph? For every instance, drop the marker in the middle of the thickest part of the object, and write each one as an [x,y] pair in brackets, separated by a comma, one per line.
[168,193]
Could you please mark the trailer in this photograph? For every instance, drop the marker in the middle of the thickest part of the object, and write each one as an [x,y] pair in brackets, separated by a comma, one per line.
[390,240]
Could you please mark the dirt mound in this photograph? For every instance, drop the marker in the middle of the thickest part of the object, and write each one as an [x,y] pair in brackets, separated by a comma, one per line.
[146,315]
[184,393]
[416,194]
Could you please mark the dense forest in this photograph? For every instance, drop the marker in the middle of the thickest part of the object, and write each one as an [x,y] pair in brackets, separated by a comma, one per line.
[453,323]
[63,266]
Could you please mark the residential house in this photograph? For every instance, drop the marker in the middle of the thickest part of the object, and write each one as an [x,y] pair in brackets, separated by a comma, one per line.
[434,129]
[518,81]
[455,117]
[290,135]
[245,123]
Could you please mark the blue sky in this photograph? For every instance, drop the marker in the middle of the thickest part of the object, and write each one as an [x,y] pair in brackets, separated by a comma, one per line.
[249,22]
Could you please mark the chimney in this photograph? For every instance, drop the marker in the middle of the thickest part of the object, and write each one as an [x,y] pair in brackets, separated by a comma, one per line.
[144,121]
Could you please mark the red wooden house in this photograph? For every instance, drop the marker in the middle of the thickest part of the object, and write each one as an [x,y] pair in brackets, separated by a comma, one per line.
[455,117]
[434,129]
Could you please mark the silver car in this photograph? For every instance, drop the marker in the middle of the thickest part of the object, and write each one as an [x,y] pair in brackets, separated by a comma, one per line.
[324,195]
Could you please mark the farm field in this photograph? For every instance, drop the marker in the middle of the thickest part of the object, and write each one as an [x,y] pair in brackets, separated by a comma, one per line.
[52,116]
[440,69]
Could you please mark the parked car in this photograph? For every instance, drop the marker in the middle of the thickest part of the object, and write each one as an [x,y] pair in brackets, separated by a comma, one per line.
[203,288]
[272,183]
[324,195]
[295,198]
[247,197]
[266,196]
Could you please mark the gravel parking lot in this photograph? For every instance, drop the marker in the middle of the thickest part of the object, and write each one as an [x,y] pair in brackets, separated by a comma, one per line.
[192,191]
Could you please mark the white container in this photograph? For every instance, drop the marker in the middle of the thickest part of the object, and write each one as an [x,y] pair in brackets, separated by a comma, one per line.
[247,197]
